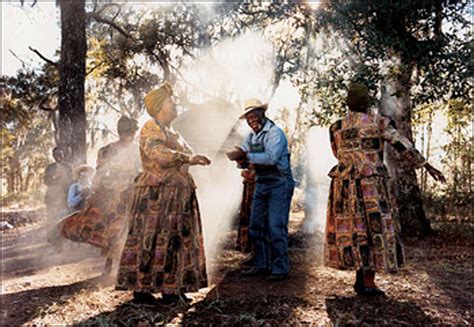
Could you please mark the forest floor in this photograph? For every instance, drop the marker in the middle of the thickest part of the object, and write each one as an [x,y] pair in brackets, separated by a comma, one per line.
[43,287]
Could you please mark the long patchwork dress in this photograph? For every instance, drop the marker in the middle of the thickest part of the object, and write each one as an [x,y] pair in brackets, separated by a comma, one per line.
[103,220]
[164,251]
[361,227]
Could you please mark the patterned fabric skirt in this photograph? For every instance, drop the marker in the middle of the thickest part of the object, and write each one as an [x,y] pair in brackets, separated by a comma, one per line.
[361,229]
[164,250]
[101,223]
[243,243]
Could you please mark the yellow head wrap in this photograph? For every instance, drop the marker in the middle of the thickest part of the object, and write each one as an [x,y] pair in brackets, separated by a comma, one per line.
[154,99]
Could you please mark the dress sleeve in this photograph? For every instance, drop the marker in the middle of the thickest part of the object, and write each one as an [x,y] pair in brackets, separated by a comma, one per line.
[332,136]
[402,144]
[153,144]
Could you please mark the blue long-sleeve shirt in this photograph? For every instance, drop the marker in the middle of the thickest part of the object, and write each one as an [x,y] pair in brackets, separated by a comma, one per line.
[74,197]
[268,147]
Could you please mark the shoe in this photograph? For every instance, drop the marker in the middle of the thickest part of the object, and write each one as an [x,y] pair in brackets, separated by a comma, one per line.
[250,262]
[369,291]
[174,298]
[145,298]
[257,272]
[276,277]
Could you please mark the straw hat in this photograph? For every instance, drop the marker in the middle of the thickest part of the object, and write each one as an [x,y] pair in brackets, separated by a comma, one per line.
[252,104]
[83,169]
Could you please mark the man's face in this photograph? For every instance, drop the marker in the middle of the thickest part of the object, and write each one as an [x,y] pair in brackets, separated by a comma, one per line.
[255,119]
[58,155]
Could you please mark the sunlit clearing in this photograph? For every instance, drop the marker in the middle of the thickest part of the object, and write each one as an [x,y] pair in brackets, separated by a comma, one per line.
[314,4]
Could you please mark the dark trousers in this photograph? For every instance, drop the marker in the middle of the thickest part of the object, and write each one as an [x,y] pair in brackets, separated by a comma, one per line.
[269,221]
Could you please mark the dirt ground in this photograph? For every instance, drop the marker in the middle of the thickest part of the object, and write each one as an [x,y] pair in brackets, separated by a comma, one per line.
[41,286]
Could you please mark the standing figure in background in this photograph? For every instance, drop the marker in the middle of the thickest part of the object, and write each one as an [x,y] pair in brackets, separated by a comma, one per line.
[361,230]
[103,221]
[118,163]
[243,243]
[57,178]
[266,147]
[164,250]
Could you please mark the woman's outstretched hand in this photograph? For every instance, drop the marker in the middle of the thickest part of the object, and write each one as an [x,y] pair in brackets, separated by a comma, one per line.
[199,160]
[435,173]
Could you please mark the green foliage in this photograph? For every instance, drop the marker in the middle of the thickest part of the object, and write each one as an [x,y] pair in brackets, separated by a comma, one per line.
[26,130]
[459,152]
[434,36]
[132,48]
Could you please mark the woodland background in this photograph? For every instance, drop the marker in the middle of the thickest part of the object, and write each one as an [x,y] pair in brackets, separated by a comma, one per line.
[416,57]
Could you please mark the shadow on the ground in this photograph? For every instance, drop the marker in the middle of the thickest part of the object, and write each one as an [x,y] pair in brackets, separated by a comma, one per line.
[247,309]
[447,256]
[235,299]
[19,308]
[377,311]
[131,313]
[29,253]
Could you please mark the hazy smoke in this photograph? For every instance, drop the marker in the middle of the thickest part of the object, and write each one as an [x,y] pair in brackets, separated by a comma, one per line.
[220,81]
[320,162]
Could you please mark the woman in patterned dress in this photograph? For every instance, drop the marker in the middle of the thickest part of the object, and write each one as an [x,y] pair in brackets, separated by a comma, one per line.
[361,230]
[164,250]
[243,243]
[103,220]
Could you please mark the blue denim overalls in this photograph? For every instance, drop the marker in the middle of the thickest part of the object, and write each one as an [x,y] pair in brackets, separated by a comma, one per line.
[269,215]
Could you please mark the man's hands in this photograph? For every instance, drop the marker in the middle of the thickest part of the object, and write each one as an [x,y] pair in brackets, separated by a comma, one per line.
[199,160]
[237,154]
[435,173]
[86,191]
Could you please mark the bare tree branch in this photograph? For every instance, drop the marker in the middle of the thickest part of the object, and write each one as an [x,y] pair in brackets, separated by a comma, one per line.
[94,68]
[98,18]
[49,61]
[43,107]
[17,57]
[111,106]
[108,5]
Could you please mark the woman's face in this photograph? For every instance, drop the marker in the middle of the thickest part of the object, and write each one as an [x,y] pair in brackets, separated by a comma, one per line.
[168,112]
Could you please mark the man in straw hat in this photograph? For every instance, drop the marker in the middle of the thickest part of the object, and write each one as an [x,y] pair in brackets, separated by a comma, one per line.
[266,147]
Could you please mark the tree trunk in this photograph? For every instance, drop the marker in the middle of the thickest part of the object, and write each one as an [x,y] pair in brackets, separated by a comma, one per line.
[403,185]
[72,116]
[423,173]
[428,148]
